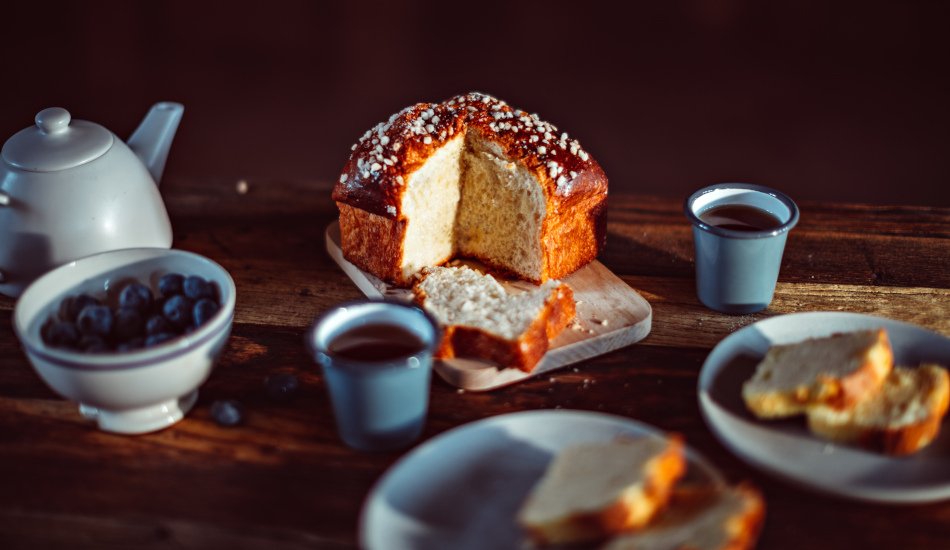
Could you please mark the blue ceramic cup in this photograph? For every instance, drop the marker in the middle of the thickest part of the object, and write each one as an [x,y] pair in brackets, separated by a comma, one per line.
[379,405]
[736,270]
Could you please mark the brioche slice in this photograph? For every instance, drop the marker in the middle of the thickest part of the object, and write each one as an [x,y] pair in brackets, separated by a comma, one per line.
[902,418]
[701,519]
[838,371]
[590,492]
[481,320]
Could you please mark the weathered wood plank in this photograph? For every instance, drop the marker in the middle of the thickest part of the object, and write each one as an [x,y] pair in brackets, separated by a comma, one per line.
[284,479]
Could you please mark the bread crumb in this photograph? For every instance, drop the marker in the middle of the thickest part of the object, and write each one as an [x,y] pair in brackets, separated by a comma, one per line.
[552,380]
[242,187]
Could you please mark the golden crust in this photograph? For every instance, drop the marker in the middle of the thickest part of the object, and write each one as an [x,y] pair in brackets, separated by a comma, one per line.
[836,392]
[901,440]
[744,528]
[632,512]
[523,353]
[374,178]
[373,243]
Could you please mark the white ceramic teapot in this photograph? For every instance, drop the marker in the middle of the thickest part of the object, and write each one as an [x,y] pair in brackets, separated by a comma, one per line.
[71,188]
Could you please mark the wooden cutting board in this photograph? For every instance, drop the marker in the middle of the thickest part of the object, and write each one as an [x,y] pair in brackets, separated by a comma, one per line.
[610,315]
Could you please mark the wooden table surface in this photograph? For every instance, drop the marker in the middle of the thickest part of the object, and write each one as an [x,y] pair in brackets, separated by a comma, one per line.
[284,479]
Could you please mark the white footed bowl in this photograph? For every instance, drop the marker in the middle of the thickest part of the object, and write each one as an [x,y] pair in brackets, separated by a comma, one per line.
[131,392]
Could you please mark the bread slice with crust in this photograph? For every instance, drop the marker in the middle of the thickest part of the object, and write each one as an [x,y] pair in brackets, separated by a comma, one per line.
[838,371]
[480,319]
[701,519]
[902,418]
[593,491]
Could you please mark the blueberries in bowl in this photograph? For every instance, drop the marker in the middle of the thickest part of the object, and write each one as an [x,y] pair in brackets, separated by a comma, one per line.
[70,307]
[95,320]
[139,320]
[171,284]
[177,310]
[136,296]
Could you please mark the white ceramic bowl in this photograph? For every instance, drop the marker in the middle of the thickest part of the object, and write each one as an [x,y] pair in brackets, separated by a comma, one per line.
[132,392]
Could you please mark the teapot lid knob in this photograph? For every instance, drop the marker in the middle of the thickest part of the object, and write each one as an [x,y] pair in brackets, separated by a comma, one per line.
[53,120]
[56,142]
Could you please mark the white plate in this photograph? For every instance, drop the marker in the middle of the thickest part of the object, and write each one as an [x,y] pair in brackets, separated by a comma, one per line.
[462,489]
[786,448]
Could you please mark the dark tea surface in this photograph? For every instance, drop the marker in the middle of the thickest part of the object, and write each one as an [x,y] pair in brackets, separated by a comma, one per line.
[740,217]
[376,342]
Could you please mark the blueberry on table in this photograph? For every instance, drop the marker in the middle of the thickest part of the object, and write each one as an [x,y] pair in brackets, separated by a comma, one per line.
[131,345]
[177,310]
[160,338]
[281,386]
[197,288]
[128,324]
[93,343]
[96,320]
[71,306]
[158,324]
[61,334]
[170,284]
[227,412]
[204,310]
[136,296]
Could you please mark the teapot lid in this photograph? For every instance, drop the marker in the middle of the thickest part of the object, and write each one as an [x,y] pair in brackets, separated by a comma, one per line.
[56,142]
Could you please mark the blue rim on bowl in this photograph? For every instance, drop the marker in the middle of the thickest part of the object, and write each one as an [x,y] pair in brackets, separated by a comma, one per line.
[786,226]
[46,291]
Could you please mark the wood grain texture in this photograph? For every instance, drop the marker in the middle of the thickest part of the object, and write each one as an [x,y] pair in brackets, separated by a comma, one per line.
[609,315]
[283,478]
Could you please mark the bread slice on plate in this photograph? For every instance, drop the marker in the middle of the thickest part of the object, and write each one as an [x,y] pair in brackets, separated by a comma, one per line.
[593,491]
[701,519]
[481,320]
[902,418]
[838,371]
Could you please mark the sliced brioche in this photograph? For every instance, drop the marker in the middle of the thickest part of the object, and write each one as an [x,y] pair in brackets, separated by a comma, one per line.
[481,320]
[590,492]
[838,371]
[701,519]
[903,417]
[470,177]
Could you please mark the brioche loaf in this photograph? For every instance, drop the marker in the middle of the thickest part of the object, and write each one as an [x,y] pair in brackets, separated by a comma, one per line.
[838,371]
[903,417]
[701,519]
[481,320]
[470,177]
[593,491]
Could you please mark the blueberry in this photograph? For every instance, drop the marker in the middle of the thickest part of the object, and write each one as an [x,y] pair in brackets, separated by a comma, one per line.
[227,412]
[71,306]
[158,324]
[96,320]
[130,345]
[61,334]
[128,324]
[204,310]
[160,338]
[136,296]
[197,288]
[93,343]
[170,284]
[177,310]
[281,386]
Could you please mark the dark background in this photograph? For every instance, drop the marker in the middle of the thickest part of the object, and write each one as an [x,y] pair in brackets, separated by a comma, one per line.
[825,100]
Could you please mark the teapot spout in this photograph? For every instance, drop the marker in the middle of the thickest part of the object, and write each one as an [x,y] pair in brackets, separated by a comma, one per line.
[153,138]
